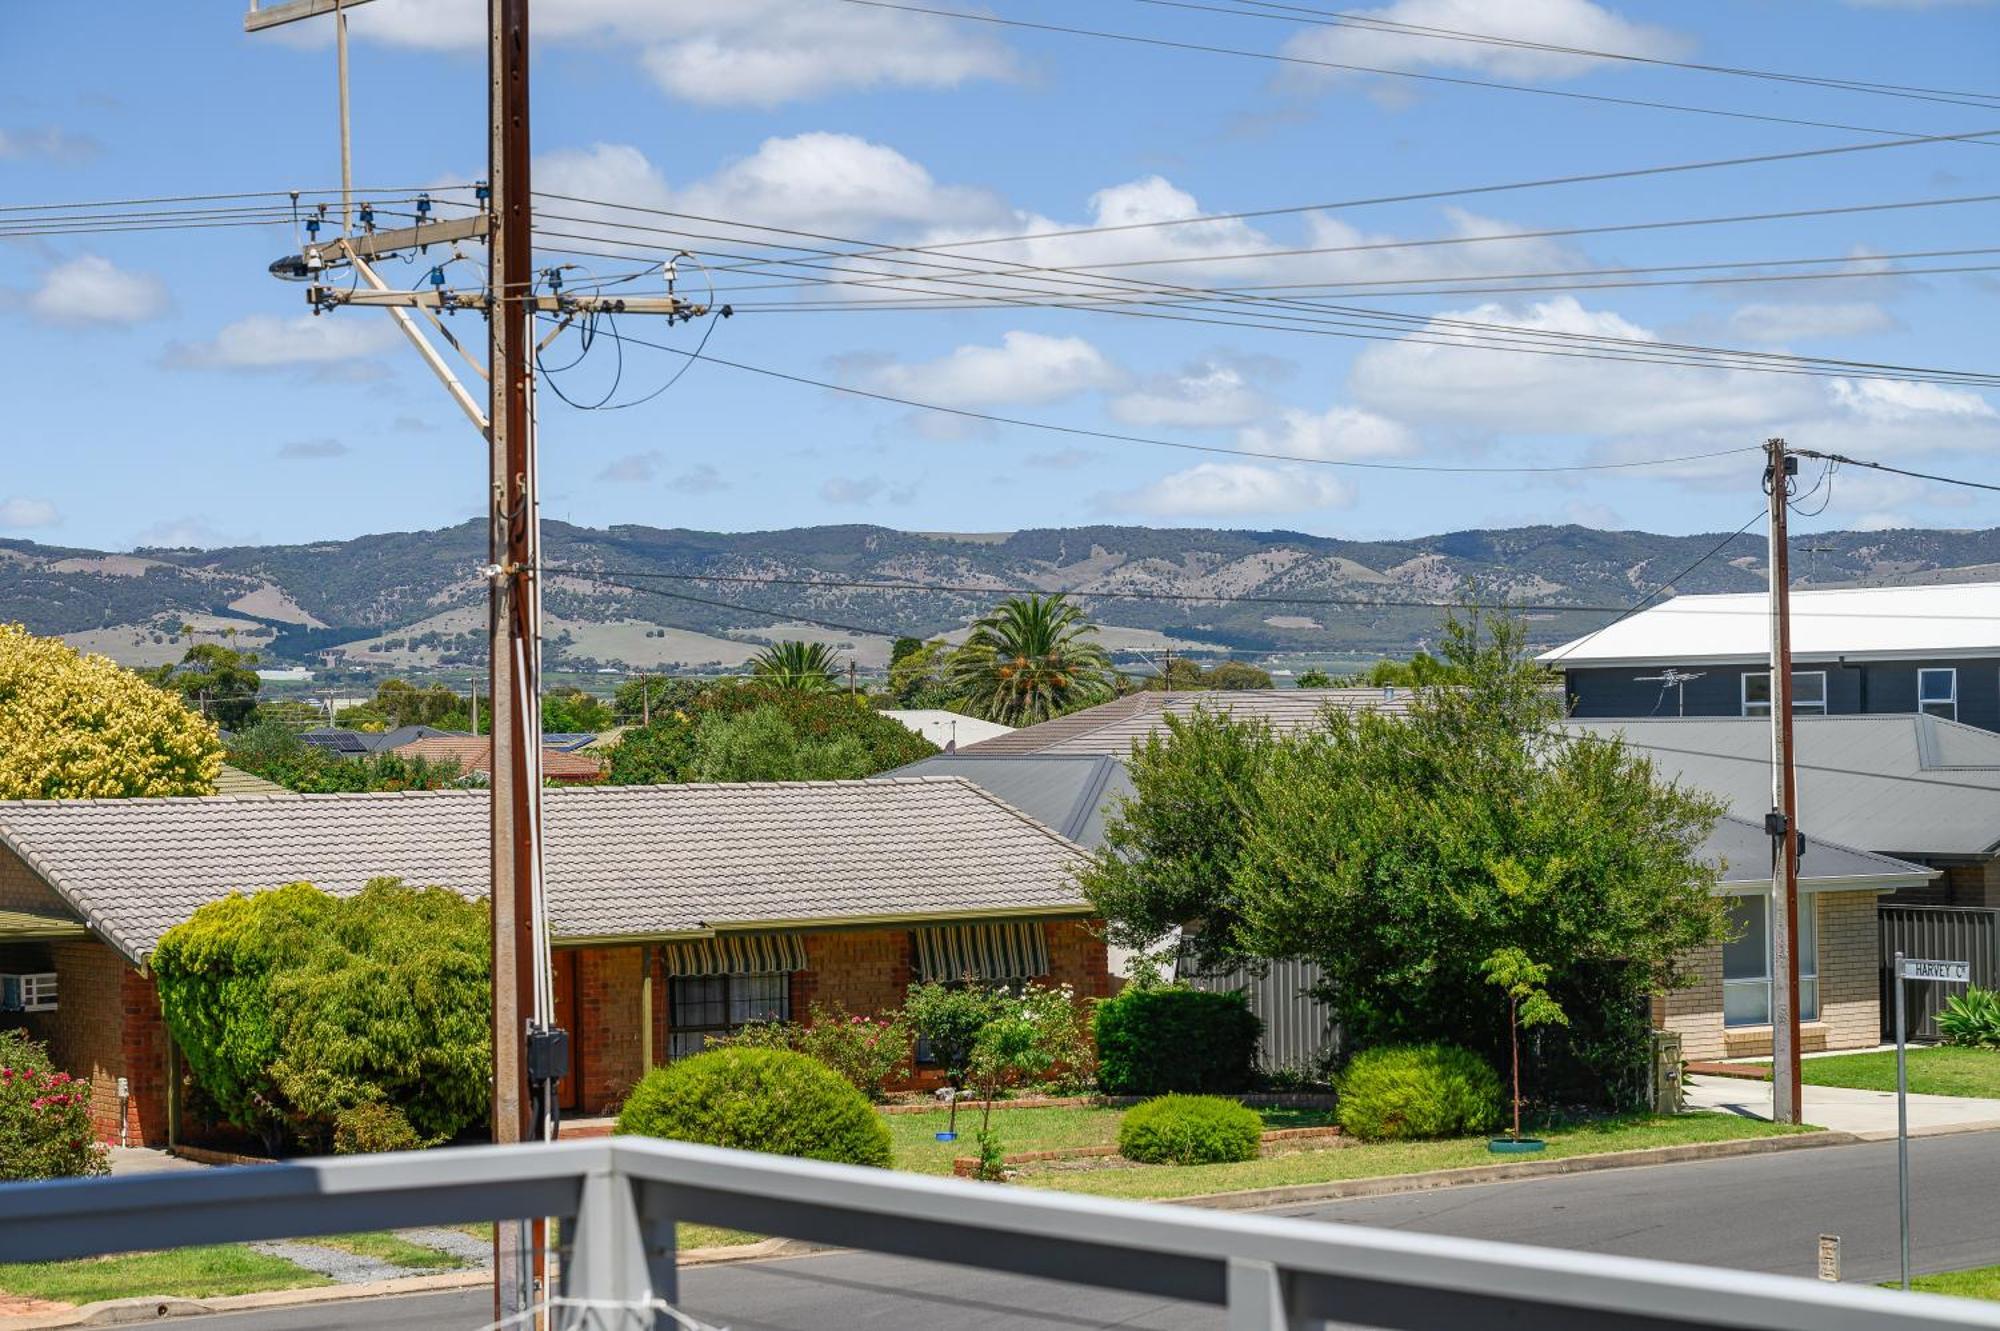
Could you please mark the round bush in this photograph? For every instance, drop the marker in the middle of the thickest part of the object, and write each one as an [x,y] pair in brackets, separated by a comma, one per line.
[770,1100]
[1424,1090]
[371,1127]
[1189,1130]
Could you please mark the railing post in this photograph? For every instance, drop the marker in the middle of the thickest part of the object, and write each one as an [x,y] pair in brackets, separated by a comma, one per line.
[1259,1297]
[618,1254]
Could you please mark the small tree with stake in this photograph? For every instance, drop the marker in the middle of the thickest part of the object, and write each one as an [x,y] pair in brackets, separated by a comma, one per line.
[1528,1004]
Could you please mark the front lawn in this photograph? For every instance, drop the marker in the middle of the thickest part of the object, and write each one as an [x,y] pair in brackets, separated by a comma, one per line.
[1934,1070]
[193,1273]
[1981,1282]
[919,1151]
[1374,1160]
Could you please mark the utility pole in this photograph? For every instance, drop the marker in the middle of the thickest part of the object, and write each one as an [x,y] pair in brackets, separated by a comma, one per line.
[852,688]
[1783,820]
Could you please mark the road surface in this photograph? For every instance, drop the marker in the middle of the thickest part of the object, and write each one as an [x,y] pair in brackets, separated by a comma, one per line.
[1759,1213]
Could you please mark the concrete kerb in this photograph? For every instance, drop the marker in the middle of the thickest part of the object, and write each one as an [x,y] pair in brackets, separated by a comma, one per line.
[124,1312]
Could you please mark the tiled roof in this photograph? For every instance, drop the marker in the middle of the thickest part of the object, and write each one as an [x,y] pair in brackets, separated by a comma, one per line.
[474,755]
[1112,728]
[619,861]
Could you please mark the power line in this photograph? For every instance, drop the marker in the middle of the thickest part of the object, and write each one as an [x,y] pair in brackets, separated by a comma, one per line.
[1490,85]
[1839,459]
[1117,437]
[412,190]
[1662,585]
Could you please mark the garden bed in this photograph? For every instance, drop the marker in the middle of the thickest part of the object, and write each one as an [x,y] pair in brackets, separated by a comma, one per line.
[1308,1138]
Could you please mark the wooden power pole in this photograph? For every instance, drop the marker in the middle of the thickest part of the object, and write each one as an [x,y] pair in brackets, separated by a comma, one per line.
[1783,820]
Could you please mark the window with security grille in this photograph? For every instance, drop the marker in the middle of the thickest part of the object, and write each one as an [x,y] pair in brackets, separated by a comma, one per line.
[705,1007]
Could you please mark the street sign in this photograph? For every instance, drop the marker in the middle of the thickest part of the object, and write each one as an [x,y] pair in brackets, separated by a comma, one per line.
[1926,972]
[1940,972]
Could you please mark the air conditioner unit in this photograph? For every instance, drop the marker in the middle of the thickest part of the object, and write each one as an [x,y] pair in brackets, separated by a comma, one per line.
[31,992]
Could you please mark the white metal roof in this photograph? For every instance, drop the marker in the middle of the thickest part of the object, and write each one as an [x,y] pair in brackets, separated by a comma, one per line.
[1959,619]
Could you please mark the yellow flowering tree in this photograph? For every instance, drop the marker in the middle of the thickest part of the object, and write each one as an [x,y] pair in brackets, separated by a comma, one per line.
[76,726]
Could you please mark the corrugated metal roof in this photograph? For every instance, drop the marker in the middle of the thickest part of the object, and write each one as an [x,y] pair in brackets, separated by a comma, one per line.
[1112,728]
[1961,619]
[1070,793]
[943,727]
[1896,784]
[621,861]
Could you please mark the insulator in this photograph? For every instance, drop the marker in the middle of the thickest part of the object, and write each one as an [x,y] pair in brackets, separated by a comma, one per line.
[368,215]
[437,277]
[482,191]
[312,227]
[423,205]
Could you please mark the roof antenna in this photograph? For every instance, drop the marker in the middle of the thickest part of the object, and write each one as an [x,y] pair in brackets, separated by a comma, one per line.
[951,745]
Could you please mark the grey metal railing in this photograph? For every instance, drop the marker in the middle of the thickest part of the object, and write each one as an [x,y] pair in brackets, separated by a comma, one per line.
[1936,933]
[620,1198]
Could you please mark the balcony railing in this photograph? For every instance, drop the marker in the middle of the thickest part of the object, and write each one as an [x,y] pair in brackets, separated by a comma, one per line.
[620,1199]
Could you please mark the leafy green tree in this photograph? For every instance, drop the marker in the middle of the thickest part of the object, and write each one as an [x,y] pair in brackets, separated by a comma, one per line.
[293,1006]
[918,678]
[292,713]
[1312,679]
[1524,983]
[902,647]
[273,750]
[1233,675]
[763,745]
[948,1019]
[1030,659]
[637,700]
[574,711]
[1422,670]
[672,748]
[807,666]
[217,681]
[397,702]
[1400,854]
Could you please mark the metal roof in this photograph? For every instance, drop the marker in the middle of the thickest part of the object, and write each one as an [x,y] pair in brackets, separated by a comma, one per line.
[1896,784]
[1959,619]
[1112,728]
[942,727]
[620,861]
[1069,793]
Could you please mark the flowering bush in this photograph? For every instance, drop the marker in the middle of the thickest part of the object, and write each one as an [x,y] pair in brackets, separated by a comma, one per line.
[78,726]
[44,1116]
[1068,1055]
[865,1050]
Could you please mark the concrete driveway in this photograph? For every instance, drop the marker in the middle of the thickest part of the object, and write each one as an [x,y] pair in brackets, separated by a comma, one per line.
[1867,1114]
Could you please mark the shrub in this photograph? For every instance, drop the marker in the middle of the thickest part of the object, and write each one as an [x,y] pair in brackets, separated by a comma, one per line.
[367,1129]
[44,1116]
[1161,1039]
[769,1100]
[866,1051]
[1424,1090]
[949,1019]
[293,1005]
[1971,1019]
[1189,1130]
[992,1166]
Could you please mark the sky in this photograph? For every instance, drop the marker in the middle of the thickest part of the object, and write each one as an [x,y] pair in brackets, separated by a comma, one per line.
[164,389]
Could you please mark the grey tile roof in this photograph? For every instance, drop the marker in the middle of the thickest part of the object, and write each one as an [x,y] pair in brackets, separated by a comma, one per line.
[620,861]
[1112,728]
[1071,793]
[1896,784]
[1743,849]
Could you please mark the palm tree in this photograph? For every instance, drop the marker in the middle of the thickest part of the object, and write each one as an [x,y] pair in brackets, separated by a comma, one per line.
[1031,659]
[809,666]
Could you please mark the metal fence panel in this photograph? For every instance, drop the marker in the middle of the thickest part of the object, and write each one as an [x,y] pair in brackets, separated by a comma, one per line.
[1298,1028]
[1935,933]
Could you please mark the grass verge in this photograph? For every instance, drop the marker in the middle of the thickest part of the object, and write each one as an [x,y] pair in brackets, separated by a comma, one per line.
[386,1247]
[1981,1282]
[193,1273]
[1379,1159]
[1934,1070]
[919,1151]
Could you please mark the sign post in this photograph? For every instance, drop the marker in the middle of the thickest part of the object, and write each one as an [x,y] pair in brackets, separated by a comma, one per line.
[1930,972]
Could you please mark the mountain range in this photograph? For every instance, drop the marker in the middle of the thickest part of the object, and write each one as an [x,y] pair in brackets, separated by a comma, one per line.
[645,597]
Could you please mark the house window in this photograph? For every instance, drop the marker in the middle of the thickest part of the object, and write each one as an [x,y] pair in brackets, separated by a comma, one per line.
[1808,693]
[33,992]
[1746,963]
[706,1006]
[1937,693]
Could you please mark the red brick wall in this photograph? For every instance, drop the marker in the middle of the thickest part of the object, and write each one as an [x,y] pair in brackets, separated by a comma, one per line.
[865,971]
[1077,957]
[144,1049]
[607,1024]
[107,1026]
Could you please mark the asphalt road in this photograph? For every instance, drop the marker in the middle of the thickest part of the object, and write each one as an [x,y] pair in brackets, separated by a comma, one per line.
[1760,1213]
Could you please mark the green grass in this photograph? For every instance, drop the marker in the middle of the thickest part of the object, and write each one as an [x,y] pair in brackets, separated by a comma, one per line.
[193,1273]
[1981,1282]
[685,1236]
[1934,1070]
[1377,1159]
[919,1151]
[387,1247]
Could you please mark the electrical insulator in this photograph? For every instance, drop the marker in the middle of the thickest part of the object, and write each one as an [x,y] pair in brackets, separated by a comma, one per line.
[482,191]
[437,277]
[368,216]
[312,227]
[423,206]
[555,279]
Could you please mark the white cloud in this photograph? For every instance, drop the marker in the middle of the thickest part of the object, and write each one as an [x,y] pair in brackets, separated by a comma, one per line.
[723,52]
[1232,489]
[19,512]
[301,449]
[700,479]
[1201,396]
[633,468]
[46,141]
[1337,432]
[91,290]
[851,489]
[1571,23]
[1024,368]
[194,532]
[1780,323]
[1061,459]
[265,341]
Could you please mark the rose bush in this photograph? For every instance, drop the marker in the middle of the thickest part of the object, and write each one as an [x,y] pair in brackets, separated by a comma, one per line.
[44,1116]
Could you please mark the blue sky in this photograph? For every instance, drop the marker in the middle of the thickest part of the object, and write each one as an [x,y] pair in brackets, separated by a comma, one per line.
[164,389]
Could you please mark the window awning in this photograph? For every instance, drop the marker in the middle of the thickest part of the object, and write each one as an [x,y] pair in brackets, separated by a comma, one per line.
[1011,950]
[736,954]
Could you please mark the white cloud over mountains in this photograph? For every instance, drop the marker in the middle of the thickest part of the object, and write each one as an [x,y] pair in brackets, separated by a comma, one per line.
[761,53]
[1228,489]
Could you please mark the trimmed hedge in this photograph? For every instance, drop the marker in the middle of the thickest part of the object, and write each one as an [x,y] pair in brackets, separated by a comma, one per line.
[1189,1130]
[1423,1090]
[1166,1039]
[770,1100]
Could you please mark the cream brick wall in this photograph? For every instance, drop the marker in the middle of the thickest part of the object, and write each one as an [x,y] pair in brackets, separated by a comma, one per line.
[1849,990]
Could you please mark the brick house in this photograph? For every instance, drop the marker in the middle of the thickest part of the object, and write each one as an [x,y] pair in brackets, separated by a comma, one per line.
[678,912]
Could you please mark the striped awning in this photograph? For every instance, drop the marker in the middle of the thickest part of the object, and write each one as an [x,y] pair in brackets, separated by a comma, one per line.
[736,954]
[1013,950]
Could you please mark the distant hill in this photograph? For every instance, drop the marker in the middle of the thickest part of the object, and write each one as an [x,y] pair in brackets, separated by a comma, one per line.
[404,599]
